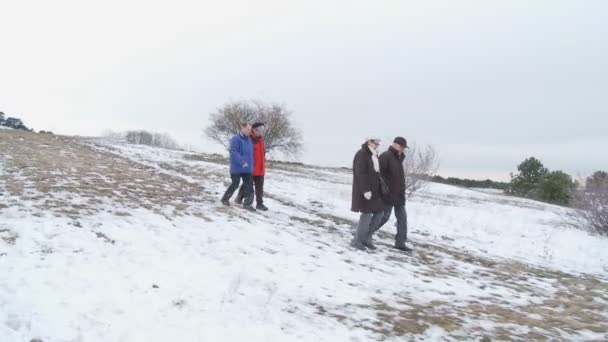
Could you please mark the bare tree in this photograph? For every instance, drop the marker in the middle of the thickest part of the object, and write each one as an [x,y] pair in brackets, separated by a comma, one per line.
[164,140]
[421,164]
[280,136]
[591,206]
[226,121]
[139,137]
[142,137]
[112,135]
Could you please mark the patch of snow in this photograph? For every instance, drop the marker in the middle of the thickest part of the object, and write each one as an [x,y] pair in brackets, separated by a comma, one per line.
[489,224]
[153,276]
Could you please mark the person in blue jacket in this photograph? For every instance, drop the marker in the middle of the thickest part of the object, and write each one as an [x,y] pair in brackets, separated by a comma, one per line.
[241,166]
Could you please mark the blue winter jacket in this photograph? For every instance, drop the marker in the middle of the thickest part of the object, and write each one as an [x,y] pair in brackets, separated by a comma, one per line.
[241,152]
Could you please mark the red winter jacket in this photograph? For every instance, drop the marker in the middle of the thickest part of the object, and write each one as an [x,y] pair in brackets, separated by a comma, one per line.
[259,155]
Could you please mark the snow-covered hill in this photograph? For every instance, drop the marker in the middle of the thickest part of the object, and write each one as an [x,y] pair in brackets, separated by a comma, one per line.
[102,241]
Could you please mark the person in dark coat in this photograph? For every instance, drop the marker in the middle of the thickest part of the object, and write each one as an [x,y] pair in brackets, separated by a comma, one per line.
[241,166]
[367,193]
[259,167]
[393,173]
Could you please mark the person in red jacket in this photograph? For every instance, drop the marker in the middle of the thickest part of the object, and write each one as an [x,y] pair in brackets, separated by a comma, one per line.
[259,166]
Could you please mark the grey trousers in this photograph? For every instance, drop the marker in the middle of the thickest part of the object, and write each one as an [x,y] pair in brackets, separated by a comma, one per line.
[401,215]
[368,224]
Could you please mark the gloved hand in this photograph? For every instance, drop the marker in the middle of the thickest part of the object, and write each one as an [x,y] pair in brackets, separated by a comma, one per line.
[245,165]
[368,195]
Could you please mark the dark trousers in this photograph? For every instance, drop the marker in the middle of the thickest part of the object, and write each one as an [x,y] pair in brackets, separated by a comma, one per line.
[258,182]
[368,224]
[247,187]
[401,216]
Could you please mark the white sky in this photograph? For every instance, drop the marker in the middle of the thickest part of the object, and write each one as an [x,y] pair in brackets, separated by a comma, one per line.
[488,83]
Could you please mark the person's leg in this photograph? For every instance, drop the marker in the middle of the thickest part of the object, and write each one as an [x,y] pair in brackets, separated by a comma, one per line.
[236,179]
[378,220]
[258,181]
[247,190]
[401,215]
[239,196]
[362,230]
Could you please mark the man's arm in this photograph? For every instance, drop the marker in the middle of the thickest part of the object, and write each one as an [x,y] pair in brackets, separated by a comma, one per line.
[361,170]
[235,153]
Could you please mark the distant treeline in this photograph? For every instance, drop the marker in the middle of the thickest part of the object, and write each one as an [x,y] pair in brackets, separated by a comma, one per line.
[143,137]
[13,123]
[471,183]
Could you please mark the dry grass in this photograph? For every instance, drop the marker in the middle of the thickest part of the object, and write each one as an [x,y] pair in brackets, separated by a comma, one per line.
[8,236]
[53,171]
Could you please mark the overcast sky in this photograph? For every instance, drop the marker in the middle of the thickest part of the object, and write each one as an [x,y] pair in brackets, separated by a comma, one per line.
[488,83]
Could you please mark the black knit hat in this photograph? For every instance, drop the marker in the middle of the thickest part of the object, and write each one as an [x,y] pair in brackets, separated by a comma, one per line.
[401,141]
[257,124]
